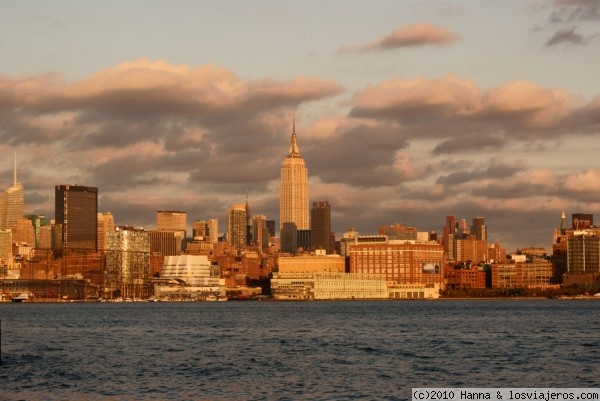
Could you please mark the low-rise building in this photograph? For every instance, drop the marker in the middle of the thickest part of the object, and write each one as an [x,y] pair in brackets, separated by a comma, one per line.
[328,285]
[464,278]
[521,275]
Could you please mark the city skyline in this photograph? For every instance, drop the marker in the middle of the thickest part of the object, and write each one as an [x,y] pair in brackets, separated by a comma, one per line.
[407,111]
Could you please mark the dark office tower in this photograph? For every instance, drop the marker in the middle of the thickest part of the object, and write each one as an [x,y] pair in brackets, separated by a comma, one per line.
[320,222]
[581,221]
[289,238]
[303,240]
[449,235]
[479,229]
[76,218]
[271,227]
[248,223]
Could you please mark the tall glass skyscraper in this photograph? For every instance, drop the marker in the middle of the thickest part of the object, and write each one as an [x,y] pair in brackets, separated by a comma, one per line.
[76,217]
[293,206]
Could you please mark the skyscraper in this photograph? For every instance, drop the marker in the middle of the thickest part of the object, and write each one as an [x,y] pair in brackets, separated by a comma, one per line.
[173,221]
[76,217]
[12,204]
[320,220]
[479,229]
[293,204]
[236,233]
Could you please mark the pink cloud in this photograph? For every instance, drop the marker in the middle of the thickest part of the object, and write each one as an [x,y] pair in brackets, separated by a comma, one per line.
[417,34]
[455,105]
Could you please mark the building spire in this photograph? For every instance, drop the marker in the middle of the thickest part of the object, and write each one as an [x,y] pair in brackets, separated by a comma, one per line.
[294,145]
[563,226]
[15,178]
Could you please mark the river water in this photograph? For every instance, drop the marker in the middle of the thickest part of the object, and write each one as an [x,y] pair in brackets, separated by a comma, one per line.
[367,350]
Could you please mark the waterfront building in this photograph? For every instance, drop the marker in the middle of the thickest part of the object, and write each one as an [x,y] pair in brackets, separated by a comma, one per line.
[188,277]
[311,263]
[328,285]
[401,262]
[237,226]
[193,270]
[522,275]
[127,262]
[323,276]
[465,278]
[583,252]
[76,217]
[293,206]
[320,222]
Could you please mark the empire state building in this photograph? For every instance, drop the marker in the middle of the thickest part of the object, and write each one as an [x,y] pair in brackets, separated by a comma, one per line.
[293,195]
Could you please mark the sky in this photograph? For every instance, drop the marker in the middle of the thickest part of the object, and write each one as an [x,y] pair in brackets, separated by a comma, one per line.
[405,111]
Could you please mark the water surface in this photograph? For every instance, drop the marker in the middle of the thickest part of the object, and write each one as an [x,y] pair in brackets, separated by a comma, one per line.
[293,350]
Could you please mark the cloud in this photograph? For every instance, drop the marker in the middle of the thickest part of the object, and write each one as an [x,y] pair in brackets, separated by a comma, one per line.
[417,34]
[576,10]
[155,90]
[566,36]
[449,107]
[496,170]
[153,135]
[568,18]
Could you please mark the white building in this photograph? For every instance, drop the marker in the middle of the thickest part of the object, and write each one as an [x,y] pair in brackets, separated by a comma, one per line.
[189,276]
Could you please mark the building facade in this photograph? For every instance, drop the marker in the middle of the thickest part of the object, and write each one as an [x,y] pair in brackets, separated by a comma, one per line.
[320,226]
[127,262]
[237,225]
[520,275]
[583,252]
[106,224]
[399,232]
[293,195]
[76,217]
[400,261]
[12,204]
[324,285]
